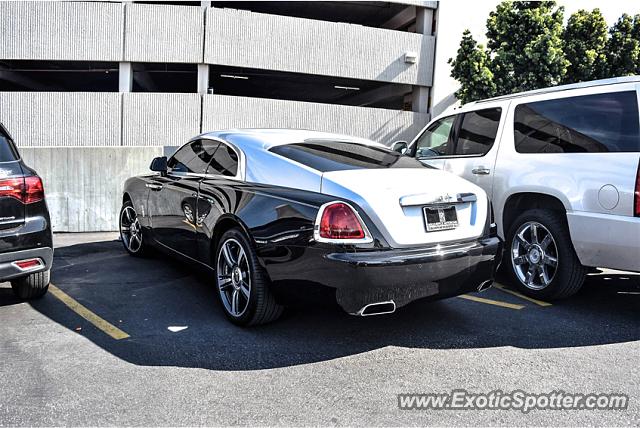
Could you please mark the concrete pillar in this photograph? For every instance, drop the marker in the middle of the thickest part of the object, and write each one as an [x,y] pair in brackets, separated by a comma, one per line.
[424,25]
[125,77]
[203,78]
[424,21]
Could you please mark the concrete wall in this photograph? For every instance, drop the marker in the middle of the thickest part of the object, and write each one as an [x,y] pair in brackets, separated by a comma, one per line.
[39,119]
[163,33]
[384,126]
[84,185]
[237,37]
[61,31]
[151,119]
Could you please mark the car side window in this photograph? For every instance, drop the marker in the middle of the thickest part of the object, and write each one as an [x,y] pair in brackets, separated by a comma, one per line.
[478,132]
[436,140]
[224,162]
[199,163]
[582,124]
[193,157]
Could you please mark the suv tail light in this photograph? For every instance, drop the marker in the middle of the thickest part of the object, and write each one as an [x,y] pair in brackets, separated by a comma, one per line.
[636,197]
[27,190]
[33,189]
[338,222]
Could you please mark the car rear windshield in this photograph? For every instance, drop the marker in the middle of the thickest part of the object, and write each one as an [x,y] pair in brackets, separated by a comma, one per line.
[583,124]
[326,156]
[8,152]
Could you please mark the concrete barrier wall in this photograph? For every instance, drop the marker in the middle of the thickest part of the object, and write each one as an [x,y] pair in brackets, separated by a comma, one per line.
[84,185]
[382,125]
[78,31]
[62,118]
[237,37]
[151,119]
[163,33]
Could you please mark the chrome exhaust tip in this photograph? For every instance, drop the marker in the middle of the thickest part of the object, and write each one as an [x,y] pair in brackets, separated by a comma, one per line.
[378,308]
[485,285]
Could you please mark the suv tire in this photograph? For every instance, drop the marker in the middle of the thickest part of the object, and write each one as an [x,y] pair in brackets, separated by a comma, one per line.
[547,266]
[32,286]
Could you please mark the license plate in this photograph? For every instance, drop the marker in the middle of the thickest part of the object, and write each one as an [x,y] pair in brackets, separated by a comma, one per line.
[440,218]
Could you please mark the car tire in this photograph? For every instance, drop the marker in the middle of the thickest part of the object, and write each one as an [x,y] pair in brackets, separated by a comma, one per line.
[238,274]
[550,279]
[32,286]
[131,234]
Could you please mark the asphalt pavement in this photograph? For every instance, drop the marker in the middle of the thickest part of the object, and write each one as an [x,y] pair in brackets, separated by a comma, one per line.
[126,341]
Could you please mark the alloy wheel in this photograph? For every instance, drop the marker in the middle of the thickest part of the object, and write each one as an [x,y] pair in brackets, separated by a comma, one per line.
[233,277]
[130,229]
[534,255]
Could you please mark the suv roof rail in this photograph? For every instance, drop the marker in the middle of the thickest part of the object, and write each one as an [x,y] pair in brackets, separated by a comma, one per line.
[552,89]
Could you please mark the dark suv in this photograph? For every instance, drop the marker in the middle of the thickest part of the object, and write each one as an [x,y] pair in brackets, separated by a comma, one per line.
[26,243]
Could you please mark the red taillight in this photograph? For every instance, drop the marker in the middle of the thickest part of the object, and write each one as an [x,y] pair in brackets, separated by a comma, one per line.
[339,221]
[34,191]
[12,188]
[27,190]
[636,199]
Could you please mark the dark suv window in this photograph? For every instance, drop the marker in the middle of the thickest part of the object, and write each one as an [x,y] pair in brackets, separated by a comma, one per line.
[193,157]
[224,162]
[8,151]
[584,124]
[478,132]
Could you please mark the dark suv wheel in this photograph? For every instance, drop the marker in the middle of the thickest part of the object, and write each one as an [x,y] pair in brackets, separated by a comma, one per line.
[32,286]
[243,286]
[540,256]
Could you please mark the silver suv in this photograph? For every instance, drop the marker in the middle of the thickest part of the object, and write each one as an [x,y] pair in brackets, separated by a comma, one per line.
[561,166]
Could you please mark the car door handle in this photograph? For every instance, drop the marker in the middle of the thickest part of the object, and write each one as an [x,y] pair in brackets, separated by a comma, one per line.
[481,170]
[154,186]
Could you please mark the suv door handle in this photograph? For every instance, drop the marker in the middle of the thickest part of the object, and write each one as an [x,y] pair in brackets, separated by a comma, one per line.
[481,170]
[154,186]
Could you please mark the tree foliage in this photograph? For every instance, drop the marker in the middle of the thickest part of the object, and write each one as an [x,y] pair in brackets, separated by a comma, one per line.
[528,48]
[585,46]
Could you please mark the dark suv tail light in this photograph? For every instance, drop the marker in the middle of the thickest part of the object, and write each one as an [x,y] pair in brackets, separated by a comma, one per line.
[636,197]
[27,190]
[33,189]
[339,222]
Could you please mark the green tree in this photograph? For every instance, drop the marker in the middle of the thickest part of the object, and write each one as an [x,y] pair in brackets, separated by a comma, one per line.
[585,46]
[623,47]
[471,69]
[525,43]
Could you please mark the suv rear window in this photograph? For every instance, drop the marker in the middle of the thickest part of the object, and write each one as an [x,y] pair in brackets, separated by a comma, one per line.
[8,152]
[584,124]
[326,156]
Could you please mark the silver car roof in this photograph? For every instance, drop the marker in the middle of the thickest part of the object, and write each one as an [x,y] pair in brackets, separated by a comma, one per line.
[258,165]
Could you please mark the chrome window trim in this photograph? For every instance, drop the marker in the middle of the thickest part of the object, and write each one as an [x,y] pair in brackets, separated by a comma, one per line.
[316,227]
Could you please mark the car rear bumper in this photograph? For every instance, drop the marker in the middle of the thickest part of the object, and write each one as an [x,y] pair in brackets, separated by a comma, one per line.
[401,275]
[9,270]
[32,239]
[405,275]
[607,241]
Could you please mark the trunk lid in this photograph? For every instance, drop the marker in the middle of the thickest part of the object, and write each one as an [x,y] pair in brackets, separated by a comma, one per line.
[379,193]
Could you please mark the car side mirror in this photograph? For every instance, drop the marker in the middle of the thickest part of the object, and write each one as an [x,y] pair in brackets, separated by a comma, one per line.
[401,147]
[159,164]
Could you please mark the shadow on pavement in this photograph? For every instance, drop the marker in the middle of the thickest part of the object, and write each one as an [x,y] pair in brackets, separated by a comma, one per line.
[144,297]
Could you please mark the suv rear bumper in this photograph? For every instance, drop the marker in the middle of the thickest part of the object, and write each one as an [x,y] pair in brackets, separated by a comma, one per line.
[9,270]
[606,241]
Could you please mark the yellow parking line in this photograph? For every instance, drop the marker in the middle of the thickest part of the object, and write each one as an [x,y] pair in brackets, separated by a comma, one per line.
[85,313]
[522,296]
[491,302]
